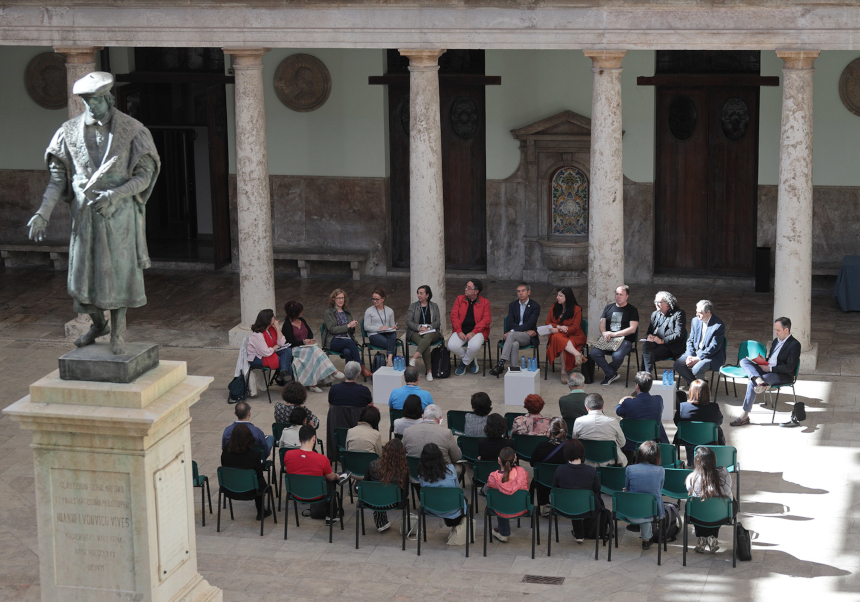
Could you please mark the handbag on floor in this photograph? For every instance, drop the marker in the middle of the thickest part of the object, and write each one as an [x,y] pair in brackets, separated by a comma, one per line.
[378,361]
[743,542]
[588,371]
[237,390]
[440,360]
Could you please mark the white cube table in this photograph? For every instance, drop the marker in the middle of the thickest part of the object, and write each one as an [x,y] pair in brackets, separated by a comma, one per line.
[667,392]
[520,384]
[385,380]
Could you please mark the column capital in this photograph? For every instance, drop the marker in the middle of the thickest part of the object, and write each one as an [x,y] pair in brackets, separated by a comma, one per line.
[246,57]
[798,59]
[422,59]
[78,54]
[605,59]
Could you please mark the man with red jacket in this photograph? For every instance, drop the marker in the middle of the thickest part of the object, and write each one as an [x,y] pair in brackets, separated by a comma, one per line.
[470,321]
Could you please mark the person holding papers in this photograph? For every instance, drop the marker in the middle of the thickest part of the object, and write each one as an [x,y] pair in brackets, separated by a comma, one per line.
[423,327]
[267,346]
[776,369]
[566,336]
[380,326]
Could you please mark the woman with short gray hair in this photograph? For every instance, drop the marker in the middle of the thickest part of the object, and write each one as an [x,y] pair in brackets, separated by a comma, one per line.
[667,331]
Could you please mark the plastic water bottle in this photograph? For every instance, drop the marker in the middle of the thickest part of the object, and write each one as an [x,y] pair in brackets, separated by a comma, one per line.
[671,378]
[397,363]
[400,364]
[533,364]
[523,363]
[665,378]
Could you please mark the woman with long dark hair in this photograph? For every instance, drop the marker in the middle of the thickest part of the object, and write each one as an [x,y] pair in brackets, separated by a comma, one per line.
[433,471]
[508,479]
[391,467]
[266,346]
[706,481]
[240,453]
[310,364]
[567,338]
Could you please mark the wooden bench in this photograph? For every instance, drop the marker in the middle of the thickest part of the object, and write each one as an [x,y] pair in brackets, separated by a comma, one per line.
[355,259]
[13,254]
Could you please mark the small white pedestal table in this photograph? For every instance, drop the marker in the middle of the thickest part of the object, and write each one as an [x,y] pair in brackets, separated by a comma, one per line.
[520,384]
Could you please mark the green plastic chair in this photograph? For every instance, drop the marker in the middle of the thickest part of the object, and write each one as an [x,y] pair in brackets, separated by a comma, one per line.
[201,481]
[694,433]
[438,501]
[340,435]
[612,479]
[355,463]
[543,476]
[439,343]
[575,504]
[501,345]
[778,388]
[366,346]
[600,452]
[237,481]
[747,349]
[380,497]
[412,462]
[675,483]
[634,349]
[309,490]
[727,457]
[668,455]
[392,416]
[518,503]
[628,507]
[509,418]
[481,470]
[711,512]
[525,445]
[639,431]
[546,365]
[469,447]
[457,421]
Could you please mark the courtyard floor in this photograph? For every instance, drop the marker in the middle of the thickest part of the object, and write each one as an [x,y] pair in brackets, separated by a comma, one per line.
[800,488]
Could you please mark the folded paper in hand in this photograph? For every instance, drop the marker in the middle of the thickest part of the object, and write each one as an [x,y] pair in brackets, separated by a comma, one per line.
[544,330]
[427,331]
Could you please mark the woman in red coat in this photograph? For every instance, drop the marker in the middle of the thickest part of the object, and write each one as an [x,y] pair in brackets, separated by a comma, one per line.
[565,317]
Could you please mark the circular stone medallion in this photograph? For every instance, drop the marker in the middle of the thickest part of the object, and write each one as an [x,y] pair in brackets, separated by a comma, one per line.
[302,83]
[45,79]
[849,87]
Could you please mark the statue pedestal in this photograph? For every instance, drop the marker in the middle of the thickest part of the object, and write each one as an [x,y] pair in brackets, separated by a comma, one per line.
[113,487]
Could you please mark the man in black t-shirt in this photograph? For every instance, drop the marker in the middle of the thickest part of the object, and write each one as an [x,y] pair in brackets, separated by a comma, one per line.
[619,319]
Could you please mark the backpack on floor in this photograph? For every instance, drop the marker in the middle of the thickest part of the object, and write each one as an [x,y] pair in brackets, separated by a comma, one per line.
[588,371]
[589,526]
[671,522]
[743,543]
[236,389]
[440,360]
[378,361]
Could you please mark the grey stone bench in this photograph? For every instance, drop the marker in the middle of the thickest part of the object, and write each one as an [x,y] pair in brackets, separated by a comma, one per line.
[16,255]
[355,259]
[826,269]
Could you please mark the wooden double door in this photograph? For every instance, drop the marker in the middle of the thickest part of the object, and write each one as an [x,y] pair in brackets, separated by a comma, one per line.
[706,180]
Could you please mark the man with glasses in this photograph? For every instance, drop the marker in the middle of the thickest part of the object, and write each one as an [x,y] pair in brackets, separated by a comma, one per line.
[667,331]
[470,321]
[705,350]
[523,315]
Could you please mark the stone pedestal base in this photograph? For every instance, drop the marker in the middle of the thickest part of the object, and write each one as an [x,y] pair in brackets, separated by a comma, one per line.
[809,358]
[237,334]
[113,487]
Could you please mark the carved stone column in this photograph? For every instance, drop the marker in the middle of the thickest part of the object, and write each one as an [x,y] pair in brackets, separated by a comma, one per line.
[793,278]
[256,267]
[80,60]
[426,209]
[606,210]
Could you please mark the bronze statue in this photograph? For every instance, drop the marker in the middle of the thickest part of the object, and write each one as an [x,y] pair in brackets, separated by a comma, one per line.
[104,164]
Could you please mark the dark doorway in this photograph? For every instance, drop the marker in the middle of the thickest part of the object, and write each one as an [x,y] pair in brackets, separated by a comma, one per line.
[706,163]
[464,162]
[180,95]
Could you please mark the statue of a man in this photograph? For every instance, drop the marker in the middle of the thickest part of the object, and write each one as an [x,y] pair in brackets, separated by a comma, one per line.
[104,164]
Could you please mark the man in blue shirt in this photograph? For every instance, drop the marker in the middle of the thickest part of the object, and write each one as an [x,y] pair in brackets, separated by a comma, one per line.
[243,414]
[398,396]
[641,406]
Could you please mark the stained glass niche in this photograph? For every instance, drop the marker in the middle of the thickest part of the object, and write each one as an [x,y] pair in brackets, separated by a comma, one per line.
[569,199]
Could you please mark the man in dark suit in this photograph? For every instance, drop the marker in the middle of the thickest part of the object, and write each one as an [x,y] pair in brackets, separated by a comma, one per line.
[641,406]
[705,345]
[667,331]
[523,315]
[781,364]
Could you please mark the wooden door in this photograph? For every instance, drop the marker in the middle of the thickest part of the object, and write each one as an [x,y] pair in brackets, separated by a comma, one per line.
[216,118]
[398,148]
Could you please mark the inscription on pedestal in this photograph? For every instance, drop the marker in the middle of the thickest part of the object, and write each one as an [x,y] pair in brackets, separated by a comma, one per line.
[91,513]
[171,516]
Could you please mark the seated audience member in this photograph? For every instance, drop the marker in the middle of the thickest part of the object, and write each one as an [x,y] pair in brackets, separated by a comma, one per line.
[781,363]
[422,317]
[699,409]
[311,365]
[306,461]
[411,375]
[549,452]
[413,412]
[476,420]
[380,326]
[641,406]
[390,468]
[647,476]
[523,315]
[509,479]
[567,338]
[596,426]
[266,346]
[240,453]
[707,481]
[294,396]
[667,331]
[435,470]
[532,423]
[495,438]
[365,436]
[576,474]
[349,392]
[340,329]
[290,435]
[430,430]
[572,405]
[243,416]
[470,321]
[705,349]
[619,319]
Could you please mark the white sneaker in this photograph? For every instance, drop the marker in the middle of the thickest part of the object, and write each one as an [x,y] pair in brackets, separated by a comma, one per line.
[338,375]
[713,544]
[315,389]
[499,536]
[384,527]
[544,510]
[412,362]
[429,377]
[759,389]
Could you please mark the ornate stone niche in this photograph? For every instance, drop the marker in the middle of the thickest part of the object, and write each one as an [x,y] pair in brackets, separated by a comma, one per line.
[556,153]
